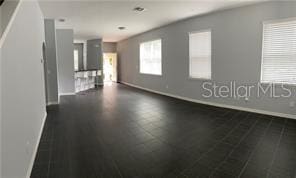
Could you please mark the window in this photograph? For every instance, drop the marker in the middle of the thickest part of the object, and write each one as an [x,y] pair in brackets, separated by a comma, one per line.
[75,60]
[200,55]
[150,57]
[279,52]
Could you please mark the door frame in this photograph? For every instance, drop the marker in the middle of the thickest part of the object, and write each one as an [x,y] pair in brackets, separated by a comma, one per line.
[114,65]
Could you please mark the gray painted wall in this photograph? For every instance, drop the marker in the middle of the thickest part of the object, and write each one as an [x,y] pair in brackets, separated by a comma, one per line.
[94,54]
[109,47]
[79,47]
[65,48]
[51,61]
[0,110]
[95,57]
[236,54]
[6,11]
[22,90]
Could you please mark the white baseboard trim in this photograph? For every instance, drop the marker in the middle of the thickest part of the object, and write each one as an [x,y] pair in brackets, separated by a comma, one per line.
[36,148]
[52,103]
[290,116]
[65,94]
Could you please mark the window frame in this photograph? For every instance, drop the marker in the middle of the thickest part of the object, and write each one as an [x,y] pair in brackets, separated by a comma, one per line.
[189,56]
[161,67]
[75,50]
[263,47]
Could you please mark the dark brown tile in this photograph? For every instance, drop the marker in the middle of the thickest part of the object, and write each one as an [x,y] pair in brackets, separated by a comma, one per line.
[119,131]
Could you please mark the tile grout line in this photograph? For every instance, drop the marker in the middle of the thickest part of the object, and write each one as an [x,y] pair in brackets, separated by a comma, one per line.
[100,140]
[277,148]
[176,148]
[50,154]
[246,134]
[210,121]
[243,169]
[221,141]
[160,140]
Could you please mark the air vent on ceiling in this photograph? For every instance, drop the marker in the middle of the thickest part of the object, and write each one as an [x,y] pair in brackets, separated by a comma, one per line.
[121,28]
[139,9]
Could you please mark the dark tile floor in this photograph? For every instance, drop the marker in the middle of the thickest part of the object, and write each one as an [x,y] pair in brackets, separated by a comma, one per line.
[118,131]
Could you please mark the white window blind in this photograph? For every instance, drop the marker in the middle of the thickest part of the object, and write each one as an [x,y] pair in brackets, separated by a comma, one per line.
[279,52]
[200,55]
[150,57]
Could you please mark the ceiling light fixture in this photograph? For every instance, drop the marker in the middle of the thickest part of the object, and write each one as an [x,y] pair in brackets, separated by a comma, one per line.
[121,28]
[139,9]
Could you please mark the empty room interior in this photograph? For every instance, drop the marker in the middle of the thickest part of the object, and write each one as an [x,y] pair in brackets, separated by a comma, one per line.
[148,89]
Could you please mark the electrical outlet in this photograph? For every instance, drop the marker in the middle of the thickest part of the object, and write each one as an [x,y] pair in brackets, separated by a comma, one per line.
[246,99]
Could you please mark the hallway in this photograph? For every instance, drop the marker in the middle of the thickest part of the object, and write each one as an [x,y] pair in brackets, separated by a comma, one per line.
[119,131]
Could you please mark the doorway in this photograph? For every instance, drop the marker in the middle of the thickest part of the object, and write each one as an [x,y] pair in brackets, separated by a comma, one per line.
[110,67]
[45,71]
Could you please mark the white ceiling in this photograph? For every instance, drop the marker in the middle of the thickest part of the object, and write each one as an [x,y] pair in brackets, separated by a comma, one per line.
[101,19]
